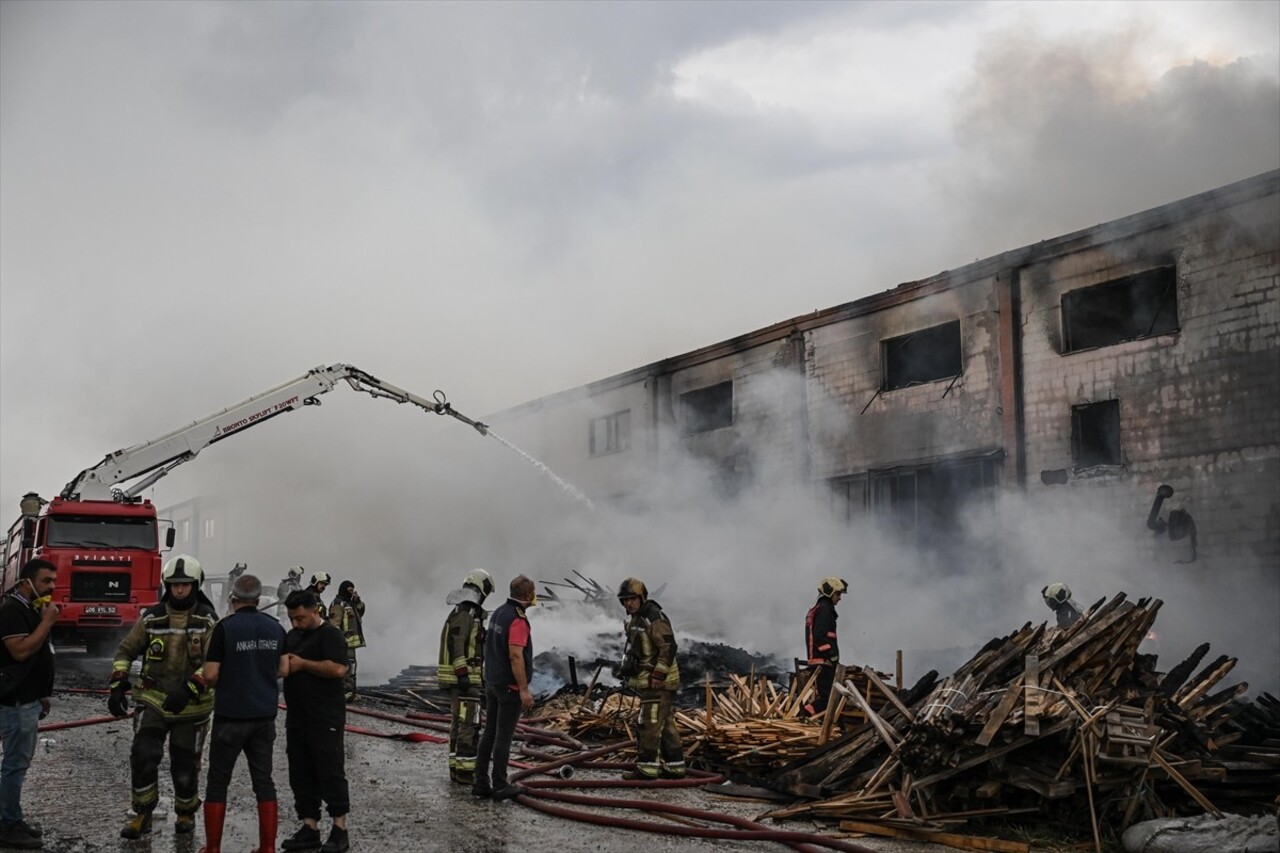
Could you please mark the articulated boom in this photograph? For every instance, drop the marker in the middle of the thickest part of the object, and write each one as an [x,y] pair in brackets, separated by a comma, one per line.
[161,455]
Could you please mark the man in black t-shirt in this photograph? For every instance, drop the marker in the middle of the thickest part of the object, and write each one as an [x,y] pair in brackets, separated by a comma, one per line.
[316,661]
[244,661]
[27,615]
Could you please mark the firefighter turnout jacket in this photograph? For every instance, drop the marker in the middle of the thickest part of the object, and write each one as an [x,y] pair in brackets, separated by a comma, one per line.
[172,643]
[651,650]
[820,633]
[348,615]
[462,647]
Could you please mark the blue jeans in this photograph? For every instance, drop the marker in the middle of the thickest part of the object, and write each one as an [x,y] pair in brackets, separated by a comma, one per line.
[18,726]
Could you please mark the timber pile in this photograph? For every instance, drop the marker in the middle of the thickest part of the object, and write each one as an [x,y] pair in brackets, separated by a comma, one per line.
[1070,723]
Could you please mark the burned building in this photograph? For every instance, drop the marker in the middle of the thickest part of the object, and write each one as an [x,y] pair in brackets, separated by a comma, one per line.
[1139,353]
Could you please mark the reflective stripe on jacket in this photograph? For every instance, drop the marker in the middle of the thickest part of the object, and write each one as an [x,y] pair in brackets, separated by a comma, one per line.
[462,644]
[172,644]
[348,615]
[652,646]
[820,633]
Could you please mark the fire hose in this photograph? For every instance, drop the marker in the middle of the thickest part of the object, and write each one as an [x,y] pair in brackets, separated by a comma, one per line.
[72,724]
[742,829]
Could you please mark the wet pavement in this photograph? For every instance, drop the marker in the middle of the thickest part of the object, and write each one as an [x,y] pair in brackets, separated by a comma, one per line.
[402,800]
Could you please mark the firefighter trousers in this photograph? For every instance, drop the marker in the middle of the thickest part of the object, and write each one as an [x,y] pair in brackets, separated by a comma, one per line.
[186,743]
[464,733]
[349,680]
[658,746]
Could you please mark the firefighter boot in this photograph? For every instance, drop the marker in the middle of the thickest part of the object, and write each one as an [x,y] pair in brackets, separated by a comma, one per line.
[268,823]
[184,824]
[215,814]
[137,826]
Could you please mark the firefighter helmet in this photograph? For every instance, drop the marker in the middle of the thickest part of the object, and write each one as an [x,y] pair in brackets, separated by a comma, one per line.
[1056,593]
[830,586]
[632,588]
[320,577]
[183,568]
[481,580]
[297,572]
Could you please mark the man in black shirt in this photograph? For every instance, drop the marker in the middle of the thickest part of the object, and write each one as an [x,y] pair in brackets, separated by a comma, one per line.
[27,615]
[316,661]
[244,661]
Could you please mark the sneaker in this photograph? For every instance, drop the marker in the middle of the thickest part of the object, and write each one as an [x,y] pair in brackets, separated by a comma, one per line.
[307,838]
[508,791]
[337,842]
[184,824]
[17,836]
[482,789]
[137,826]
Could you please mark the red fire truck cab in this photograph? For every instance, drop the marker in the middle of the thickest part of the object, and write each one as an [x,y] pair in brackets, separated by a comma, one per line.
[108,559]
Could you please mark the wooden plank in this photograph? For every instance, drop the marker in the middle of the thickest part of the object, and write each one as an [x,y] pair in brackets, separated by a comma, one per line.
[949,839]
[891,695]
[1122,609]
[1001,713]
[1184,784]
[1031,681]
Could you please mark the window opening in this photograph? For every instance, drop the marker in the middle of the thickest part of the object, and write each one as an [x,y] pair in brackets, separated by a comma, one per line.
[1136,306]
[1095,434]
[610,434]
[921,356]
[707,408]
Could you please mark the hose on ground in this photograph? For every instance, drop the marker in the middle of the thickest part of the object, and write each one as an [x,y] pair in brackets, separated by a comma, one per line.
[540,790]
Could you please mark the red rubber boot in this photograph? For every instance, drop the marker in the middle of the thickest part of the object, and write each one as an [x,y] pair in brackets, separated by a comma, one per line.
[214,816]
[268,823]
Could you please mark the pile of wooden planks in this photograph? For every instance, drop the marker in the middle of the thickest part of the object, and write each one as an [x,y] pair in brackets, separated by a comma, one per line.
[1071,723]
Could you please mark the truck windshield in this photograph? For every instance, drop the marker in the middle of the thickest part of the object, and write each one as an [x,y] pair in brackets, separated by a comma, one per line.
[89,531]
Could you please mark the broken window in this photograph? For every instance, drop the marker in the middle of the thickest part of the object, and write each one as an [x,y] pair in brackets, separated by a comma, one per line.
[1095,434]
[923,503]
[610,434]
[921,356]
[1136,306]
[707,408]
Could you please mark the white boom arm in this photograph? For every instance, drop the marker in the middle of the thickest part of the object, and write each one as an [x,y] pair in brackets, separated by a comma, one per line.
[161,455]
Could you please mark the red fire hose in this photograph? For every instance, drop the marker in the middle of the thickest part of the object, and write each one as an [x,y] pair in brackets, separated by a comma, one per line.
[73,724]
[411,737]
[742,828]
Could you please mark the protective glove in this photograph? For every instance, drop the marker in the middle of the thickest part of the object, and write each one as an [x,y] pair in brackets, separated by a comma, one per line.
[629,667]
[463,674]
[179,698]
[657,681]
[118,701]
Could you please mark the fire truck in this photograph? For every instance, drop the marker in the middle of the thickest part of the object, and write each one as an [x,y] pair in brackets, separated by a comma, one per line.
[105,538]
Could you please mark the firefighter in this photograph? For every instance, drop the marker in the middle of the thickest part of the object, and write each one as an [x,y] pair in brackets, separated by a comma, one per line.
[650,668]
[292,582]
[461,671]
[821,647]
[174,700]
[318,584]
[1058,597]
[347,612]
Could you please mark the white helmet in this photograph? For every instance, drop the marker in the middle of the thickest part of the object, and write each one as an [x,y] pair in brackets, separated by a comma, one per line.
[1056,593]
[296,572]
[183,568]
[320,577]
[481,580]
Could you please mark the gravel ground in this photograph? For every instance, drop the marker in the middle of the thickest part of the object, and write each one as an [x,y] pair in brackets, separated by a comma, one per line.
[402,800]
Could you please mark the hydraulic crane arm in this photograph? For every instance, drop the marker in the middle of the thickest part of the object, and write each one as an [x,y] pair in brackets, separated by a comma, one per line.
[159,456]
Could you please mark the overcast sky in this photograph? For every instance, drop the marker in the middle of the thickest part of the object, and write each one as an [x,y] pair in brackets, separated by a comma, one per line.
[201,200]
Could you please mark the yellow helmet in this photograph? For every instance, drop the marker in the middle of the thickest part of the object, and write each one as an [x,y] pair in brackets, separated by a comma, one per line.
[631,587]
[830,586]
